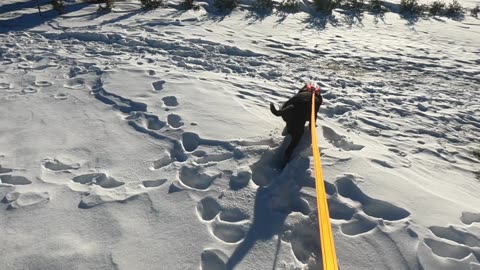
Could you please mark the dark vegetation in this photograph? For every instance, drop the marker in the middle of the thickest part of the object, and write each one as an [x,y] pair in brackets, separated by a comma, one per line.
[407,7]
[151,4]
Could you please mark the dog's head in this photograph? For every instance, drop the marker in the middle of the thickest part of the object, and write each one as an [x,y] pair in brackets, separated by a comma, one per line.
[310,88]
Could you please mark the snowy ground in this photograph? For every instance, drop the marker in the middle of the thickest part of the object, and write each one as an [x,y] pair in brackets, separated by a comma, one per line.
[136,140]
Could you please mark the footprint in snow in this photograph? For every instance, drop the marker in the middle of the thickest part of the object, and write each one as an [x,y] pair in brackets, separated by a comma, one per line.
[5,170]
[158,85]
[340,141]
[43,83]
[372,207]
[17,200]
[228,232]
[170,101]
[153,183]
[213,259]
[60,96]
[75,84]
[4,86]
[174,120]
[195,178]
[55,165]
[29,90]
[467,217]
[99,179]
[14,180]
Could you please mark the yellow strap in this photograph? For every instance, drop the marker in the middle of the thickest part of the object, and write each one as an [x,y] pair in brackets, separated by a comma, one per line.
[329,256]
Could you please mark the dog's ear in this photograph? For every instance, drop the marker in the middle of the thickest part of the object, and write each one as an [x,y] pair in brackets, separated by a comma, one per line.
[303,89]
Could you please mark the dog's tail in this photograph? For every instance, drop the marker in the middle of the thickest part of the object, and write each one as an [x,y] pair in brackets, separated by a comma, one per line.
[280,112]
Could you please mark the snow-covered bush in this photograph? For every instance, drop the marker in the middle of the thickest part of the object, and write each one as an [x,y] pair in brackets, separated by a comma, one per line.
[108,6]
[411,7]
[475,11]
[151,4]
[376,6]
[188,4]
[225,5]
[59,6]
[326,6]
[353,5]
[437,8]
[263,5]
[454,9]
[288,6]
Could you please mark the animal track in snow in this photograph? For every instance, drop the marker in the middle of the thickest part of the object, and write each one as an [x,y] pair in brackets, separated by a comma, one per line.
[153,183]
[170,101]
[190,141]
[174,120]
[214,157]
[358,226]
[194,178]
[123,104]
[305,241]
[158,85]
[340,141]
[372,207]
[233,215]
[76,83]
[382,163]
[146,120]
[469,218]
[446,250]
[29,90]
[460,236]
[151,72]
[92,200]
[4,86]
[55,165]
[5,170]
[60,96]
[14,180]
[99,179]
[18,200]
[213,259]
[240,180]
[208,208]
[43,83]
[228,232]
[162,162]
[339,210]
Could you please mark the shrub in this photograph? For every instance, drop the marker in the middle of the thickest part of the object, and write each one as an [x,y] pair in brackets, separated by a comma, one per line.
[225,5]
[475,11]
[288,6]
[454,9]
[108,6]
[354,5]
[437,8]
[59,6]
[411,6]
[263,5]
[326,6]
[376,6]
[151,4]
[188,4]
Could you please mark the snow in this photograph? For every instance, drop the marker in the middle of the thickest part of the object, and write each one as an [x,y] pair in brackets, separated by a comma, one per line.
[144,140]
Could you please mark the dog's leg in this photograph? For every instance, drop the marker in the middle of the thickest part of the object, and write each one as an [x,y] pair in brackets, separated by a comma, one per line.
[296,134]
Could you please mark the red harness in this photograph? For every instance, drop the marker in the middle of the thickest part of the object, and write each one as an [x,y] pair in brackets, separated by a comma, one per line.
[315,90]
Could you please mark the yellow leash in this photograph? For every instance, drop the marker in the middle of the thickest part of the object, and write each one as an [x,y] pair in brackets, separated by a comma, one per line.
[329,256]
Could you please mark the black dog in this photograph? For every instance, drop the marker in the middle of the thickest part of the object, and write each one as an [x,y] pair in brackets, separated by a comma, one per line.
[296,112]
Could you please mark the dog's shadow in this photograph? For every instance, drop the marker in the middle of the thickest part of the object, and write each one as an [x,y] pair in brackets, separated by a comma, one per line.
[277,196]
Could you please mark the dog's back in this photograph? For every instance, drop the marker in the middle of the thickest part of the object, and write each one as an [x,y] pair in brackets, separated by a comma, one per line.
[296,112]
